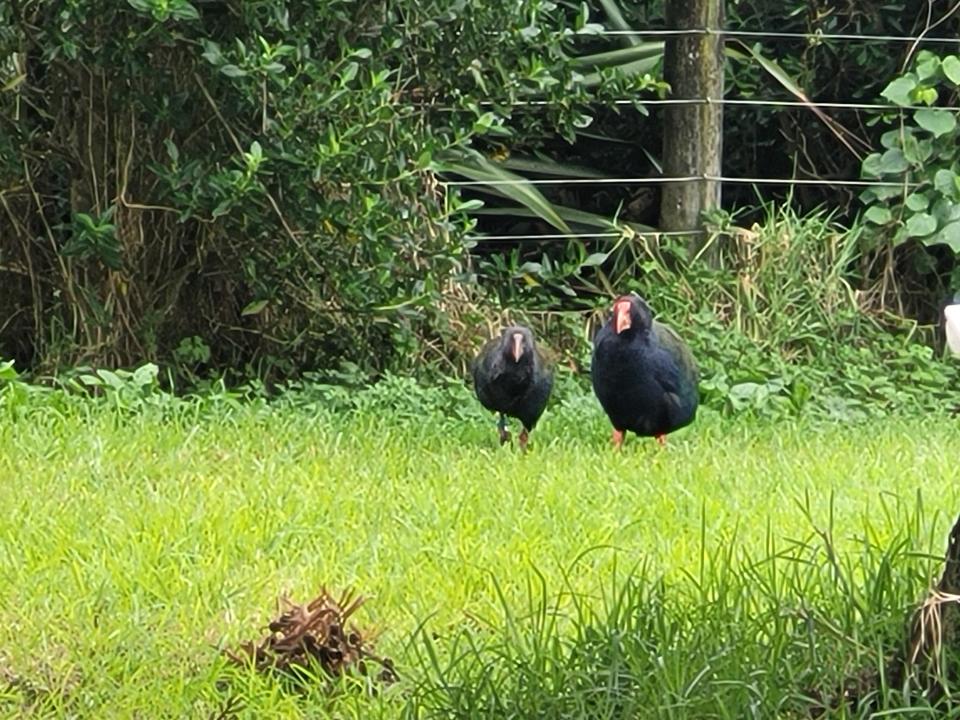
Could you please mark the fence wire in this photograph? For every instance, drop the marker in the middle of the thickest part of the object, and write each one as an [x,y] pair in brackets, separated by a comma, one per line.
[778,35]
[758,103]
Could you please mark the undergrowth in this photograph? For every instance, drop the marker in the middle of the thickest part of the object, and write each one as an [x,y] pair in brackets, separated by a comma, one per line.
[749,570]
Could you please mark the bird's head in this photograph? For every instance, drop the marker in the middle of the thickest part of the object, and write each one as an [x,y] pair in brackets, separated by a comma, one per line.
[516,342]
[631,314]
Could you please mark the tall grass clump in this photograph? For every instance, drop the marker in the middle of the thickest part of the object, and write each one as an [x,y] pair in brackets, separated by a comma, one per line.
[750,569]
[794,630]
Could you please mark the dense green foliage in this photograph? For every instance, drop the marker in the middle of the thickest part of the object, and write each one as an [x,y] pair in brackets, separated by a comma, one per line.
[740,572]
[216,184]
[921,158]
[260,189]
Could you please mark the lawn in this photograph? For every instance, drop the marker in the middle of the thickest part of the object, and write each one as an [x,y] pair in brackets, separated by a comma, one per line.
[136,544]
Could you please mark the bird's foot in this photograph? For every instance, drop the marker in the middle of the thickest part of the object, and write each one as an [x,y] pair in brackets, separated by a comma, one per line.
[524,439]
[617,439]
[662,440]
[502,429]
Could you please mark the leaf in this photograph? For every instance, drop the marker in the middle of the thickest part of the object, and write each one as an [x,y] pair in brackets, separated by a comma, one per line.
[547,166]
[945,183]
[617,21]
[917,202]
[223,207]
[927,64]
[516,187]
[948,235]
[893,162]
[640,67]
[945,211]
[648,51]
[254,308]
[898,91]
[233,71]
[362,53]
[927,95]
[894,138]
[182,10]
[146,374]
[781,76]
[484,122]
[172,150]
[881,192]
[917,152]
[595,259]
[936,120]
[87,222]
[951,68]
[349,73]
[143,6]
[111,378]
[871,167]
[7,372]
[878,215]
[920,225]
[473,204]
[211,52]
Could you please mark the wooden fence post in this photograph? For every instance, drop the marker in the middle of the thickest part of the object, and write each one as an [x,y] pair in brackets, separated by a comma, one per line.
[693,134]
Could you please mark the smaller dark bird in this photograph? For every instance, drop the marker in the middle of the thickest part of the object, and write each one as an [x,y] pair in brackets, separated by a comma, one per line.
[512,377]
[643,374]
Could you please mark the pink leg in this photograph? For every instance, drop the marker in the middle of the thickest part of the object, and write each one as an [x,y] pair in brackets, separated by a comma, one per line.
[524,438]
[617,439]
[662,439]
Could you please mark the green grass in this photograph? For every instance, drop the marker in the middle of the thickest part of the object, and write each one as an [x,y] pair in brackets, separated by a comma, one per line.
[686,582]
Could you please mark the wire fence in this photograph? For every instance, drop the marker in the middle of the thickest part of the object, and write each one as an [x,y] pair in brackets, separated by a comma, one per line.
[770,104]
[764,34]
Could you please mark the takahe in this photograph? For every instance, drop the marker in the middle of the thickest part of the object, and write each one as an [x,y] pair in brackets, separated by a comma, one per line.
[643,373]
[512,377]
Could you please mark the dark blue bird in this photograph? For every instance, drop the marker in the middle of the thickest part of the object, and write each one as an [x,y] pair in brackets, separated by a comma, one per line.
[512,377]
[643,373]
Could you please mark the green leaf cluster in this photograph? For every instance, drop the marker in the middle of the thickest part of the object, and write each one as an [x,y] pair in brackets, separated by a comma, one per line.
[920,158]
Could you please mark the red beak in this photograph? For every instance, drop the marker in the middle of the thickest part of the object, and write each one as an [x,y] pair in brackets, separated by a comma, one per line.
[621,312]
[517,346]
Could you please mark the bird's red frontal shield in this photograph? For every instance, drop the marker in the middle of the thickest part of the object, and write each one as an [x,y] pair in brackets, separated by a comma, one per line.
[517,346]
[621,314]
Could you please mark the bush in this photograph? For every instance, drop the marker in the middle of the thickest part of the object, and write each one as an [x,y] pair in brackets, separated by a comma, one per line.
[253,186]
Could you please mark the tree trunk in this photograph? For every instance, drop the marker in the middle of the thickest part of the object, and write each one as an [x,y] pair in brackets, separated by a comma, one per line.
[693,133]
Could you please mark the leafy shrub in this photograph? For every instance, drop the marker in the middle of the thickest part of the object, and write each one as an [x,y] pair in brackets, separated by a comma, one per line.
[921,158]
[259,180]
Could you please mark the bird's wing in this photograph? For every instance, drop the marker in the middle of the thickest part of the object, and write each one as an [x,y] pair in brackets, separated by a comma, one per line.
[481,367]
[546,358]
[671,342]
